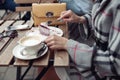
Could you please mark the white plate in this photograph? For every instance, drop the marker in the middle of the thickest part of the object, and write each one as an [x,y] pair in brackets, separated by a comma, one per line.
[57,31]
[35,31]
[17,53]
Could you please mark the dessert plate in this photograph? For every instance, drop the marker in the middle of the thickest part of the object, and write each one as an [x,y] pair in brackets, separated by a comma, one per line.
[50,30]
[35,31]
[56,31]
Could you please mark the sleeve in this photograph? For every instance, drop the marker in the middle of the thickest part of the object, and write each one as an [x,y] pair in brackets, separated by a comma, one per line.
[107,63]
[88,25]
[81,55]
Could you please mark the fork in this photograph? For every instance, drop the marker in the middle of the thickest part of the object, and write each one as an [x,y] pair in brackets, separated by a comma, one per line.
[50,22]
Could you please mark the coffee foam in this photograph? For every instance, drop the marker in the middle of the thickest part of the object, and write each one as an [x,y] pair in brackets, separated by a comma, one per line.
[30,41]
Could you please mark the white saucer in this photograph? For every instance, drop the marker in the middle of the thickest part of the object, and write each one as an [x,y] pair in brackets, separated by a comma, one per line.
[17,53]
[58,31]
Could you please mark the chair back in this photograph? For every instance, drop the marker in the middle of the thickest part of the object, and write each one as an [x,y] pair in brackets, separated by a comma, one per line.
[26,5]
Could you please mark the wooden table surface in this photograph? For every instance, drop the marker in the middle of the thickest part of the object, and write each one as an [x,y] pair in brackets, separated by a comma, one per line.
[60,57]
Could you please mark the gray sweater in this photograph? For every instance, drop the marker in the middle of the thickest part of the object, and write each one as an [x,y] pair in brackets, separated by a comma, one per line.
[106,25]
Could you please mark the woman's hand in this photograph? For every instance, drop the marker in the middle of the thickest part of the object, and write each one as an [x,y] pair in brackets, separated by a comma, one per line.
[56,42]
[69,16]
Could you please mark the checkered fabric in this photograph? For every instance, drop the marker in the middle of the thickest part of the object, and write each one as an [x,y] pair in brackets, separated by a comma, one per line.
[93,63]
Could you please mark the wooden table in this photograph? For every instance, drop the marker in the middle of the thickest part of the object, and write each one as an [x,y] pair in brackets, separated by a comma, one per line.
[59,59]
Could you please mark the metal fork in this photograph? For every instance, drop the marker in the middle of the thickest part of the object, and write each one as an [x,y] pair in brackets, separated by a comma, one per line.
[50,22]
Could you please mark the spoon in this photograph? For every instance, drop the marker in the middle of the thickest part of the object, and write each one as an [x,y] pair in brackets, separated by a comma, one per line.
[41,49]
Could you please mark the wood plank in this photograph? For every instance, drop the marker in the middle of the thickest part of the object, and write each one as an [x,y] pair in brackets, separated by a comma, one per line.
[32,1]
[19,22]
[6,24]
[1,21]
[61,59]
[43,61]
[30,23]
[5,58]
[25,1]
[13,16]
[27,8]
[7,15]
[6,55]
[4,41]
[2,13]
[19,62]
[18,15]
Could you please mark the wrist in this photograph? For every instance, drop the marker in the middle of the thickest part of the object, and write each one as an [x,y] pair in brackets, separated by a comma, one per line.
[65,46]
[82,19]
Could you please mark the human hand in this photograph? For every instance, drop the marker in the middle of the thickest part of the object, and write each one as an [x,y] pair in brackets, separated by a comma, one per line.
[68,16]
[56,42]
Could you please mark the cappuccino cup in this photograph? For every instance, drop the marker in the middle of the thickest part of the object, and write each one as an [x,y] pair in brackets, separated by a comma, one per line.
[30,45]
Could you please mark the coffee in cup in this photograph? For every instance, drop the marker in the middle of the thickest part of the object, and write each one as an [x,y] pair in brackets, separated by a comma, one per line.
[30,44]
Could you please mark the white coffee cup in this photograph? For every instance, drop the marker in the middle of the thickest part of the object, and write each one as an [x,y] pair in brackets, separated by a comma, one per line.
[31,44]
